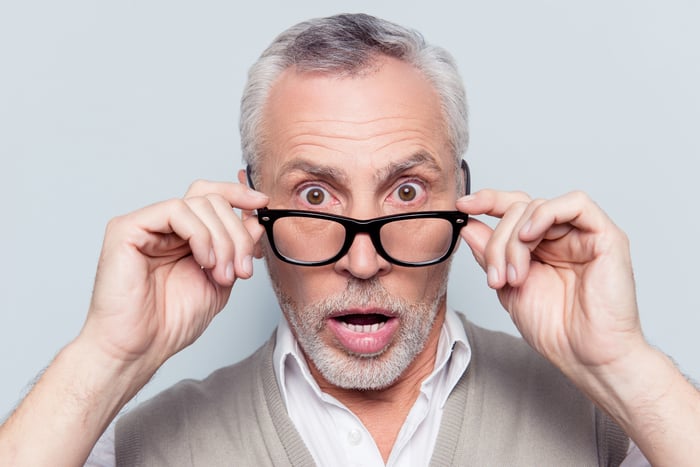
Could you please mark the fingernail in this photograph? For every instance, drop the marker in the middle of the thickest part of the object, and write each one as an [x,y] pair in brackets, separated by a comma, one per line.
[248,265]
[492,275]
[229,272]
[526,228]
[212,257]
[511,273]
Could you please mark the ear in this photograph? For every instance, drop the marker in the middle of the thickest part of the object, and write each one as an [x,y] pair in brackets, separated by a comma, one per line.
[242,178]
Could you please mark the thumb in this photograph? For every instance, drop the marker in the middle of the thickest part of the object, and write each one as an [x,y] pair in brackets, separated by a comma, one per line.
[256,232]
[477,234]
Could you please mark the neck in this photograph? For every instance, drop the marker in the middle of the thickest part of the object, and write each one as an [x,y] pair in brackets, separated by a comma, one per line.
[383,411]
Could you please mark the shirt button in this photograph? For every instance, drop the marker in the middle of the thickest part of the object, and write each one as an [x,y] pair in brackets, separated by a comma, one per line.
[354,437]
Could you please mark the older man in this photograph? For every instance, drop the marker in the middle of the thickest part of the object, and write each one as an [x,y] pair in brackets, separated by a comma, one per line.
[354,129]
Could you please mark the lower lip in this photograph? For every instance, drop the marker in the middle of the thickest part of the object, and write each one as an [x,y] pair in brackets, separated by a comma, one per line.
[364,343]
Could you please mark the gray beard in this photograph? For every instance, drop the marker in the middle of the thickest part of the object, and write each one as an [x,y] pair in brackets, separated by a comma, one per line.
[361,372]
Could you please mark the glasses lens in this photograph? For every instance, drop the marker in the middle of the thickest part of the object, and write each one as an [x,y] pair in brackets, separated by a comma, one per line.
[417,240]
[307,239]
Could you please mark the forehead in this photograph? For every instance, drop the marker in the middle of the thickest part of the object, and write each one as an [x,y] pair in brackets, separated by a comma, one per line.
[379,117]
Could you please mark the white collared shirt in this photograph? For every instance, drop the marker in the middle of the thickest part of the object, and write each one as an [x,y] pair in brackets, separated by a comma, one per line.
[337,436]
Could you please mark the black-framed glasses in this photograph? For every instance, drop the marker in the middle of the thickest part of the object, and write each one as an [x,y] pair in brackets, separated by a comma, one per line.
[413,239]
[309,238]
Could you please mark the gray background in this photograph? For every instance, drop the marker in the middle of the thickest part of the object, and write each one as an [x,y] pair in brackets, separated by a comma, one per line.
[109,106]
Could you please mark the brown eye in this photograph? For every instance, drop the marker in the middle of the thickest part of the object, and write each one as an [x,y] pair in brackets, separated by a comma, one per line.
[314,196]
[406,192]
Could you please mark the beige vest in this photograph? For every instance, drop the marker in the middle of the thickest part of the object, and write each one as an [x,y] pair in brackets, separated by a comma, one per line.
[510,408]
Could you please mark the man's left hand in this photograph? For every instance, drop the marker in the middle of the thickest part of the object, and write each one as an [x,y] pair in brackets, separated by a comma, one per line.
[562,270]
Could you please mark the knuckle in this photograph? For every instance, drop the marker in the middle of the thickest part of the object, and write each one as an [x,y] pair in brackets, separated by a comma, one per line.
[198,187]
[517,206]
[195,203]
[115,224]
[216,198]
[538,205]
[521,196]
[580,197]
[622,237]
[177,205]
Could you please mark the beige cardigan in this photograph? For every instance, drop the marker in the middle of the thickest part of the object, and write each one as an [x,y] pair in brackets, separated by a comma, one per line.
[510,408]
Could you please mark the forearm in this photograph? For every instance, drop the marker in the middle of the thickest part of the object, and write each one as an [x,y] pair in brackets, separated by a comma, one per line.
[653,402]
[68,409]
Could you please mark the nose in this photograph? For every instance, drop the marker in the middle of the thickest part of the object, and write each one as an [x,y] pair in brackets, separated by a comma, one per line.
[362,260]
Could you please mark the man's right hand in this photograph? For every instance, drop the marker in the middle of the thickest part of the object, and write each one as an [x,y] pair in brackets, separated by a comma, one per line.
[164,272]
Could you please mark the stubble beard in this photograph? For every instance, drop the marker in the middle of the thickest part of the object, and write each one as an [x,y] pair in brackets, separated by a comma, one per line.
[348,370]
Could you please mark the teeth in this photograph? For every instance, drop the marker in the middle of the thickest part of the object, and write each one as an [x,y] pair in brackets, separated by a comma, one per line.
[364,327]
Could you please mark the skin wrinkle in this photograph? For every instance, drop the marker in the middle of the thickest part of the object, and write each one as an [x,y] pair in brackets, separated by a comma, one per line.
[383,176]
[421,158]
[367,158]
[313,141]
[338,178]
[316,169]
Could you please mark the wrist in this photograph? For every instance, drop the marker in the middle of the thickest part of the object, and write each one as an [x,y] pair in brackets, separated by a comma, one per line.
[652,402]
[627,385]
[104,376]
[69,407]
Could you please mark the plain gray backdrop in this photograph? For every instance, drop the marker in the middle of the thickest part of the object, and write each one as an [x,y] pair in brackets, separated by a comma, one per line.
[109,106]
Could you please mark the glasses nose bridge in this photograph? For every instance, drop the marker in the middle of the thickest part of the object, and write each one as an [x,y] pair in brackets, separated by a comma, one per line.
[371,227]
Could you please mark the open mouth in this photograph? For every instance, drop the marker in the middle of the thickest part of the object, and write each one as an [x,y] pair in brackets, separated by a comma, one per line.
[368,333]
[364,323]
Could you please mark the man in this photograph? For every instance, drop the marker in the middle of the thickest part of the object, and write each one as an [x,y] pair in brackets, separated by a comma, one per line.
[353,130]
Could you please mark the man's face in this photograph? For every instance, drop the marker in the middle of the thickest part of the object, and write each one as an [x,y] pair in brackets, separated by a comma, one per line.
[362,147]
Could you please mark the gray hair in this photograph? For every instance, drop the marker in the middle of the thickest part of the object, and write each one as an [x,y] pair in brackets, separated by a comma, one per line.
[346,45]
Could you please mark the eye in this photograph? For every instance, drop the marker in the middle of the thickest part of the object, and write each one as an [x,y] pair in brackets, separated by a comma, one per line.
[408,192]
[314,195]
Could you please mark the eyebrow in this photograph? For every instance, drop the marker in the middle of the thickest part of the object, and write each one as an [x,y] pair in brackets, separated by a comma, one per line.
[394,169]
[322,171]
[389,172]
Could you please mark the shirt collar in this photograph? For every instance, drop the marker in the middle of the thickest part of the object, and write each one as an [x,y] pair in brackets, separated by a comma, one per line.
[451,361]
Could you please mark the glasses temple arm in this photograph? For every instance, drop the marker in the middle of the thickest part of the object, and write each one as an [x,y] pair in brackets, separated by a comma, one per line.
[467,177]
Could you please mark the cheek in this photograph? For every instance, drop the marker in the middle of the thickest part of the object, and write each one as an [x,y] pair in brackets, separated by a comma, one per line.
[304,285]
[417,284]
[307,285]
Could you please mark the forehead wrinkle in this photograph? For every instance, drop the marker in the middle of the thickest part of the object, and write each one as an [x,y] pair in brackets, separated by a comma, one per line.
[395,168]
[313,168]
[338,129]
[410,137]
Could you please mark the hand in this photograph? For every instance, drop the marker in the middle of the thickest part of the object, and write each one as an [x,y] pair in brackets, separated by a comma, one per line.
[166,270]
[562,270]
[164,273]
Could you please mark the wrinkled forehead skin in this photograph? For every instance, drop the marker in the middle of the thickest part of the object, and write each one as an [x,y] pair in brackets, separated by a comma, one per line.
[388,109]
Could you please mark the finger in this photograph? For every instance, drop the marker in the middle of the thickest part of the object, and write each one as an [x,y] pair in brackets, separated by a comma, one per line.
[224,251]
[167,218]
[236,194]
[256,231]
[517,251]
[476,234]
[491,202]
[575,209]
[498,270]
[243,235]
